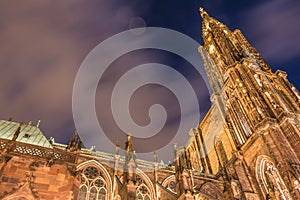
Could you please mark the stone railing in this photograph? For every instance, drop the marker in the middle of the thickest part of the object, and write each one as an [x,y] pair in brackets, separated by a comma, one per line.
[23,149]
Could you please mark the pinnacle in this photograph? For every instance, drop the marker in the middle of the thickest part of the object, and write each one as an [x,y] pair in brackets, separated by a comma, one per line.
[202,12]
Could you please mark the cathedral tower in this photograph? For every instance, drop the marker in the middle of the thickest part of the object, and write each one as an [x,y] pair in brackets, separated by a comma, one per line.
[256,147]
[245,148]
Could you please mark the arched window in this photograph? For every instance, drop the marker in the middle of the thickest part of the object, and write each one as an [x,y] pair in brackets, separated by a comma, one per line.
[82,192]
[170,184]
[142,191]
[93,186]
[144,186]
[272,185]
[102,194]
[93,193]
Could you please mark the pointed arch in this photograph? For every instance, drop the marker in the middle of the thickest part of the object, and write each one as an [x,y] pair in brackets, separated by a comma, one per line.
[170,183]
[23,193]
[211,190]
[82,192]
[269,178]
[147,182]
[105,177]
[168,179]
[259,172]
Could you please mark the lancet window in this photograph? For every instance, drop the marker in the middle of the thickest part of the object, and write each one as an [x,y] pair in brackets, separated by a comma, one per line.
[93,186]
[142,191]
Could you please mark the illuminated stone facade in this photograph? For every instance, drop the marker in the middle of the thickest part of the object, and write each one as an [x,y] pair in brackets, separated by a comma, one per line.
[246,147]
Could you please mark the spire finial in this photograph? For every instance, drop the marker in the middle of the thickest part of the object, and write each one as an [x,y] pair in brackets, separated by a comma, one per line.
[79,144]
[155,155]
[117,147]
[73,141]
[38,123]
[128,144]
[175,150]
[202,12]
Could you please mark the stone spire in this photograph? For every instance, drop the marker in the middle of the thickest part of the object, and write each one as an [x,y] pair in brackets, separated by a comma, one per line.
[155,156]
[130,157]
[117,147]
[203,12]
[73,143]
[183,175]
[128,190]
[220,43]
[128,144]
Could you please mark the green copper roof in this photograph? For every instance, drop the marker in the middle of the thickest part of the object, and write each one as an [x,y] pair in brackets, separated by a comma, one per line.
[29,134]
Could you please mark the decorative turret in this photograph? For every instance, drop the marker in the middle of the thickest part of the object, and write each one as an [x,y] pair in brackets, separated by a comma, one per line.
[117,147]
[128,144]
[128,190]
[79,144]
[130,164]
[75,143]
[155,156]
[183,175]
[17,133]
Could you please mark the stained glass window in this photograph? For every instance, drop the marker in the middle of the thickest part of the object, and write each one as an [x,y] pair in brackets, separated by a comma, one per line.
[93,185]
[142,191]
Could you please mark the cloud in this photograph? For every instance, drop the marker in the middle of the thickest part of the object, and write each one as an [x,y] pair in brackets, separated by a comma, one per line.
[274,28]
[139,104]
[42,46]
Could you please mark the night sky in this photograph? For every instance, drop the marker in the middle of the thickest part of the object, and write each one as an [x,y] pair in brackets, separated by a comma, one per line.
[43,43]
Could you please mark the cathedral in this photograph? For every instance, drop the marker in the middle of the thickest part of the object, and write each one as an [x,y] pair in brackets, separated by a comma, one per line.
[253,150]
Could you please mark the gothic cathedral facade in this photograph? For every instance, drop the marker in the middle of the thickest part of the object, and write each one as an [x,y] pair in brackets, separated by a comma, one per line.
[246,147]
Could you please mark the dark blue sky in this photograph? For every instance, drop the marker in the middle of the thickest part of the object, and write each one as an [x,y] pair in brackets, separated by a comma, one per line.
[272,27]
[43,44]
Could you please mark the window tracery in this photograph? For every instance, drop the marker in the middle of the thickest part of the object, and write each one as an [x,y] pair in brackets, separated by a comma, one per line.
[211,190]
[170,184]
[93,186]
[142,191]
[272,185]
[276,183]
